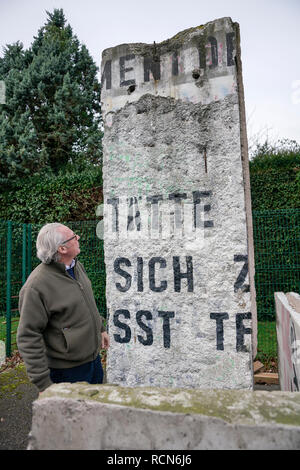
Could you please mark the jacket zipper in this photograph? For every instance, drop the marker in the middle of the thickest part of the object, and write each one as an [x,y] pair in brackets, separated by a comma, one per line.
[89,309]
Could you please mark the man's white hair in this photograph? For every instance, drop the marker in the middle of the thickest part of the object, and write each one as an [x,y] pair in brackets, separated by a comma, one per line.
[48,241]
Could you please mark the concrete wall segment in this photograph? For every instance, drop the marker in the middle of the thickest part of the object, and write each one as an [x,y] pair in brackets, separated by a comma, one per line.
[176,241]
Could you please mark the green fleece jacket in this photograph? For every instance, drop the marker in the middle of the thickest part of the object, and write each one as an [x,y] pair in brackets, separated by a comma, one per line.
[60,325]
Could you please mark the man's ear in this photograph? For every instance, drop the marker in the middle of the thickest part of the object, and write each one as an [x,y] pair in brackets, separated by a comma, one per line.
[61,249]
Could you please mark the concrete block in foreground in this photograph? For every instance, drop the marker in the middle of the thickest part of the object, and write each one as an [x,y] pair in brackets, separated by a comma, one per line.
[94,417]
[288,340]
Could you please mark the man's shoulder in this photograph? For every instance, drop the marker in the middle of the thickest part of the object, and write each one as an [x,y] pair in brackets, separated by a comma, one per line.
[80,266]
[81,271]
[35,277]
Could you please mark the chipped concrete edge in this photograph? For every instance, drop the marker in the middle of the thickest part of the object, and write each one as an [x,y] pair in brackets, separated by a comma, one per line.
[247,186]
[232,406]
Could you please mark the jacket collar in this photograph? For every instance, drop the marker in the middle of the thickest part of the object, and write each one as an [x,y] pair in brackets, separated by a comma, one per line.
[61,267]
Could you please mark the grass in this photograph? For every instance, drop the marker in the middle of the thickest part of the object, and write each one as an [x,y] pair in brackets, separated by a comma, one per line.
[267,343]
[14,327]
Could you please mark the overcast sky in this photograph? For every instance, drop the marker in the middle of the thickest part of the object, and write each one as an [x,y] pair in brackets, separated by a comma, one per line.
[270,42]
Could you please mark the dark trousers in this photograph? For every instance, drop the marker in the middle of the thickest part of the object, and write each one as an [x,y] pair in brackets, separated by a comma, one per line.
[90,372]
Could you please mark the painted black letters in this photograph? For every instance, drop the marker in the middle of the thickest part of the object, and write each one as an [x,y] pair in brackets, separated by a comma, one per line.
[230,48]
[141,317]
[154,66]
[166,327]
[152,285]
[175,64]
[133,218]
[122,273]
[123,326]
[149,339]
[219,317]
[239,283]
[197,198]
[155,214]
[114,201]
[177,197]
[140,282]
[106,75]
[178,275]
[213,51]
[209,56]
[241,331]
[124,69]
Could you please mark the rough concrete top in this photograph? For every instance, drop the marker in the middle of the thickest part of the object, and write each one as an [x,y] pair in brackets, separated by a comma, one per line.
[233,406]
[177,40]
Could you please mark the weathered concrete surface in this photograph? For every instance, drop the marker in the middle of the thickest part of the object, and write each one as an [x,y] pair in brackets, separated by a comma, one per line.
[81,416]
[2,352]
[288,340]
[177,243]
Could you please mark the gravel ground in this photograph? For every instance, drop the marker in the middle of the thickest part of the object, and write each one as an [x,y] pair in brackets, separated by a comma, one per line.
[16,397]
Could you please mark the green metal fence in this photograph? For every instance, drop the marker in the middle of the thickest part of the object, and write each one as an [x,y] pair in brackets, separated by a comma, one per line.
[277,268]
[18,259]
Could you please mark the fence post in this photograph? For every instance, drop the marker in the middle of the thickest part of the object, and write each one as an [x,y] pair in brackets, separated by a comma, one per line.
[24,265]
[8,289]
[29,251]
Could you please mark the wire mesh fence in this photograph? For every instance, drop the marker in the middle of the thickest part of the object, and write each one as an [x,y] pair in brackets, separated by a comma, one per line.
[277,268]
[13,246]
[18,259]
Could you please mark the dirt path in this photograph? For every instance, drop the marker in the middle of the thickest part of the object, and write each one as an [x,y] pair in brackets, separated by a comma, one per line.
[16,397]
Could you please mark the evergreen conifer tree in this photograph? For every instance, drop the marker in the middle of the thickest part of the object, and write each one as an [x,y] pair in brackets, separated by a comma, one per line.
[51,119]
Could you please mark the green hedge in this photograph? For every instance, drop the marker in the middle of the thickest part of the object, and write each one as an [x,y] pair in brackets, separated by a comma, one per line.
[275,188]
[275,184]
[42,199]
[275,194]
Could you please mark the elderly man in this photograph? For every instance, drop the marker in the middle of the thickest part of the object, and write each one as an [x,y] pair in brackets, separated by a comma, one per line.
[60,331]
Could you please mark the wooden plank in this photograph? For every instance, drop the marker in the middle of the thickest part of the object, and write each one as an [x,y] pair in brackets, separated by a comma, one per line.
[257,366]
[266,378]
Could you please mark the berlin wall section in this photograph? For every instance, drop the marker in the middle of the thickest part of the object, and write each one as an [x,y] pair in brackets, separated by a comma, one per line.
[175,227]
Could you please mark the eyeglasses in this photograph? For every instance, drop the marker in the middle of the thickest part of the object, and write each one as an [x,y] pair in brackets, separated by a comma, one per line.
[69,239]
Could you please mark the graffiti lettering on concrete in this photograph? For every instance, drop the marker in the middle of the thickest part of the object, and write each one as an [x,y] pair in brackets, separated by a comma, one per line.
[152,66]
[241,331]
[144,318]
[148,340]
[155,263]
[124,68]
[181,270]
[219,317]
[240,281]
[160,215]
[210,56]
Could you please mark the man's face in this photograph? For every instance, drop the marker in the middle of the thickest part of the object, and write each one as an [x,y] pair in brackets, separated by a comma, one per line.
[70,249]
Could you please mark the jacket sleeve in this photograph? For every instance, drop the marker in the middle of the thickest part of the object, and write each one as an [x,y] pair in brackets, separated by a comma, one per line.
[92,293]
[33,321]
[102,325]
